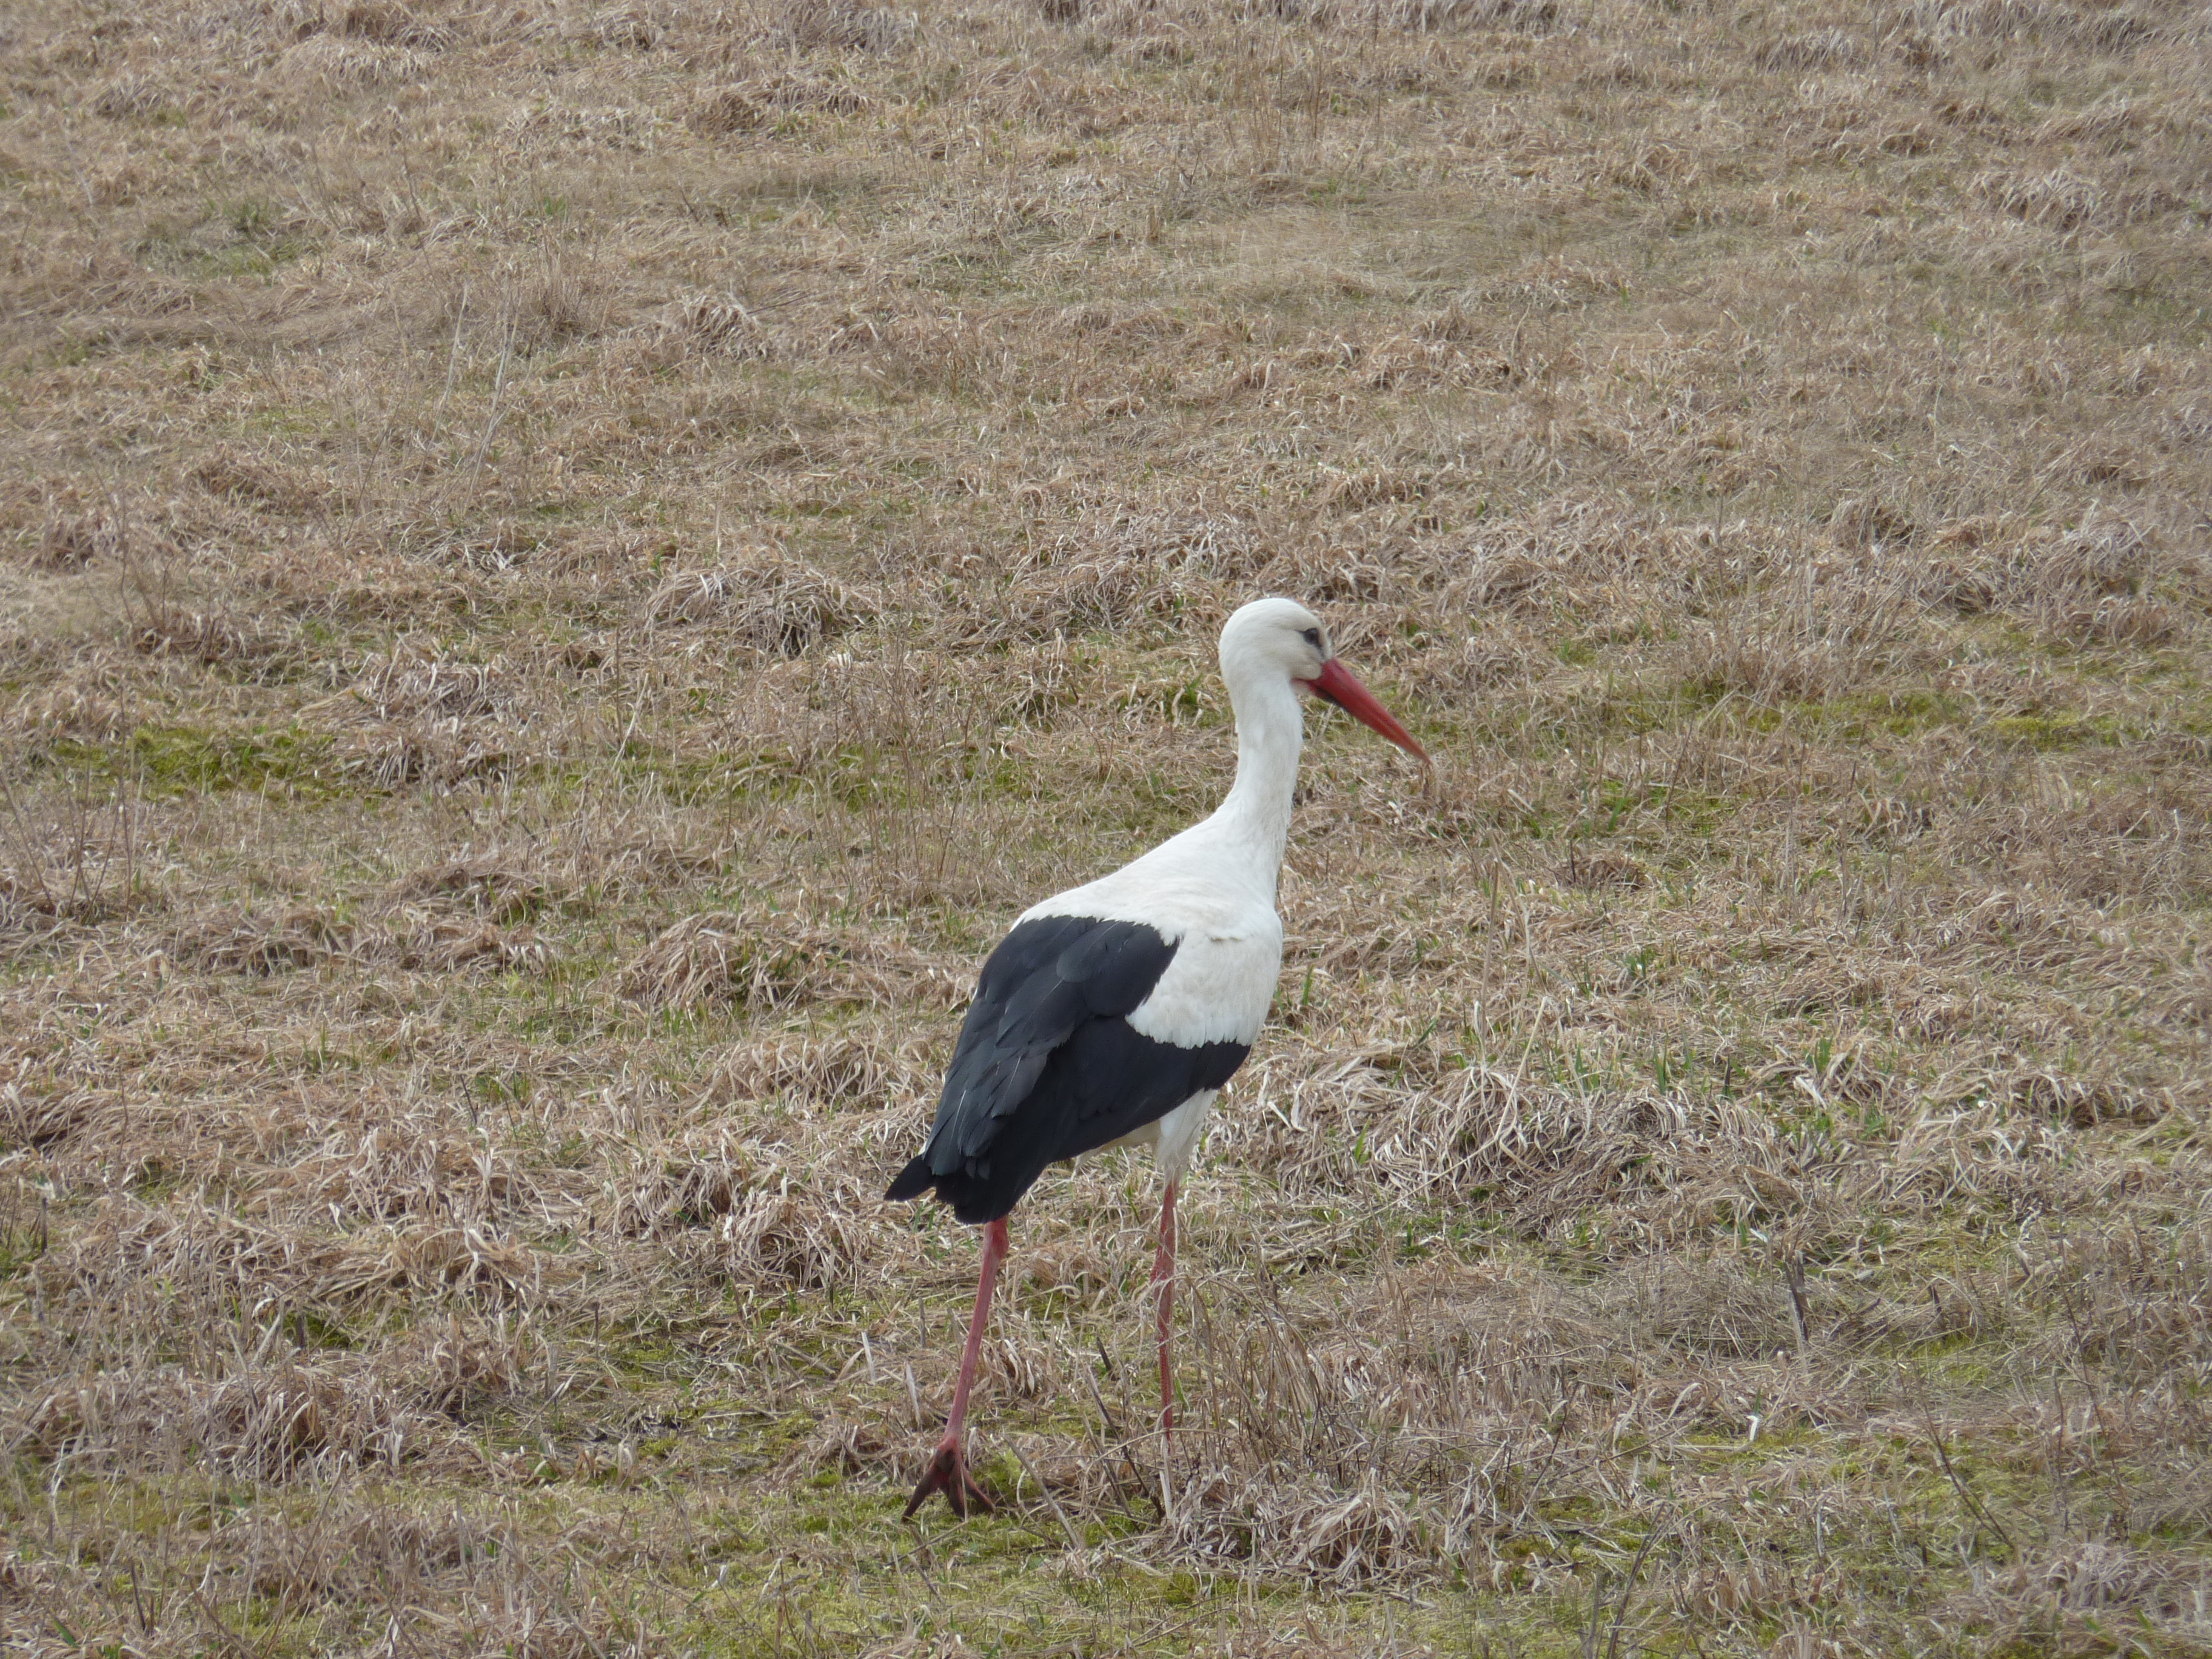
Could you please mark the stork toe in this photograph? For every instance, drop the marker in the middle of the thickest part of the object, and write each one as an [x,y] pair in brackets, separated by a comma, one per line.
[948,1473]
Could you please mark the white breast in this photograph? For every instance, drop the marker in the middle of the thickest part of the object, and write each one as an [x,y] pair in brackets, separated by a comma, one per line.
[1229,948]
[1217,989]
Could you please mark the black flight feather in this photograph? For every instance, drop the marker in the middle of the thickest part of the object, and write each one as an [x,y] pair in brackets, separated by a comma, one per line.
[1049,1066]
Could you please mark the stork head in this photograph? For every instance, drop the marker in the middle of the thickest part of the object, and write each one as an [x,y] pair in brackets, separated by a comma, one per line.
[1278,635]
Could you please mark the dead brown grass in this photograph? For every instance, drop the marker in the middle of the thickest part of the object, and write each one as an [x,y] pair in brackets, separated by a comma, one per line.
[564,570]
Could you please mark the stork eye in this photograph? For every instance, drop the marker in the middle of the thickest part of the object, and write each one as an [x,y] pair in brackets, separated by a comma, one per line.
[1313,638]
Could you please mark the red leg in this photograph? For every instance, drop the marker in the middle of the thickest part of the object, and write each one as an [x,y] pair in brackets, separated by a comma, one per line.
[1164,1293]
[948,1465]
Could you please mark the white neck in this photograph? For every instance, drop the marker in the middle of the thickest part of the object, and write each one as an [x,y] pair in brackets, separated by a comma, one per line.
[1253,824]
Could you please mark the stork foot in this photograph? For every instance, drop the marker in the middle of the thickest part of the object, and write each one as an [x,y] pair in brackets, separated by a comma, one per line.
[948,1473]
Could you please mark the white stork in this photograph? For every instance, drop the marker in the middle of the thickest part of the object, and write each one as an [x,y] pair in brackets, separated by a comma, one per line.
[1112,1013]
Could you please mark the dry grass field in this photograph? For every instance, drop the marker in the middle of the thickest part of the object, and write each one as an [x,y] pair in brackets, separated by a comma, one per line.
[565,570]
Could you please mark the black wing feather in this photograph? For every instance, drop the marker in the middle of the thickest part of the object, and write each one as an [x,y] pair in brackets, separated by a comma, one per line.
[1046,978]
[1047,1065]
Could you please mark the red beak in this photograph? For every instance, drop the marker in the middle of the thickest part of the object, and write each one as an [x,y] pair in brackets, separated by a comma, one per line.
[1335,684]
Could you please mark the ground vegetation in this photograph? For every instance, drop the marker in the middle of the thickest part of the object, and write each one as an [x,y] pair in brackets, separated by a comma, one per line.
[565,570]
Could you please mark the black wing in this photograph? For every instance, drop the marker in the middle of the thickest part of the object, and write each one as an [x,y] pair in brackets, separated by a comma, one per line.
[1049,1066]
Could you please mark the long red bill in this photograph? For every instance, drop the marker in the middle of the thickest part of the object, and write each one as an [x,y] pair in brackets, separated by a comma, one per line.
[1336,685]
